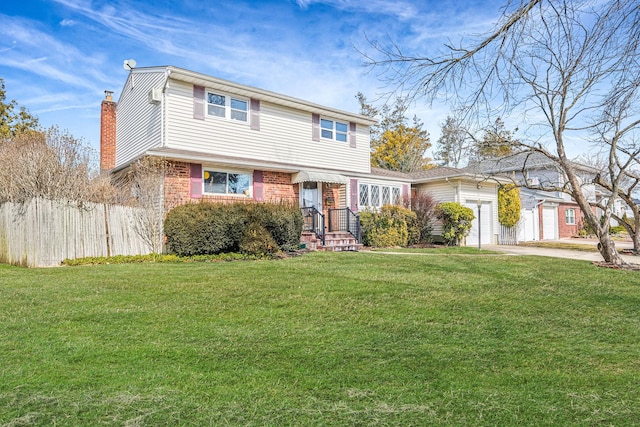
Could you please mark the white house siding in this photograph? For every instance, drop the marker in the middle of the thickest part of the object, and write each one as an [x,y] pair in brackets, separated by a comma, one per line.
[285,136]
[139,122]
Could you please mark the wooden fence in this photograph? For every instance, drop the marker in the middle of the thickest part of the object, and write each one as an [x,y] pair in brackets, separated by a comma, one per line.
[42,233]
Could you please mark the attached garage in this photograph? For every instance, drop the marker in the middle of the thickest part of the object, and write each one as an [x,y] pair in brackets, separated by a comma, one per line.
[485,231]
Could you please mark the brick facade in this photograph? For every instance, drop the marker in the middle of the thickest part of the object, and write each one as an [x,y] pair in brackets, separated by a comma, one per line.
[177,185]
[107,134]
[278,188]
[564,230]
[177,188]
[568,230]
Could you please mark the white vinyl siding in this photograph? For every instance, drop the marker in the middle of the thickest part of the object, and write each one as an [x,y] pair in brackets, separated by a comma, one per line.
[139,122]
[285,136]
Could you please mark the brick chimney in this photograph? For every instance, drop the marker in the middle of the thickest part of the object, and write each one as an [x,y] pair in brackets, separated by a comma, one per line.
[107,133]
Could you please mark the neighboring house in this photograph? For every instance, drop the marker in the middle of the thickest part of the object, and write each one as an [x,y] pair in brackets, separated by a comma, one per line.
[229,142]
[547,214]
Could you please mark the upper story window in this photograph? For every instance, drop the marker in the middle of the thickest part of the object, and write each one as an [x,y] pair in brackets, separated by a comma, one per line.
[227,107]
[220,182]
[331,129]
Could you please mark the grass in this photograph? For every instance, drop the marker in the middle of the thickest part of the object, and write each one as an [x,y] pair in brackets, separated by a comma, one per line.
[323,339]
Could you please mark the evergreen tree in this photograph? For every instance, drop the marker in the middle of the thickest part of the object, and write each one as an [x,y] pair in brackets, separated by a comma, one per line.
[13,122]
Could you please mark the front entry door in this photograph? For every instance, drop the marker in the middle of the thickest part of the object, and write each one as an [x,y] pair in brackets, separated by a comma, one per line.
[311,195]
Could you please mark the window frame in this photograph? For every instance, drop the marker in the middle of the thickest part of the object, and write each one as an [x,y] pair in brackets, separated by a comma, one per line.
[334,130]
[228,109]
[394,193]
[571,217]
[248,193]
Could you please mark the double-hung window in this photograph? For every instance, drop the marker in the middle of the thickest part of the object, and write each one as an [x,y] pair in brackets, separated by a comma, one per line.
[227,107]
[570,216]
[220,182]
[334,130]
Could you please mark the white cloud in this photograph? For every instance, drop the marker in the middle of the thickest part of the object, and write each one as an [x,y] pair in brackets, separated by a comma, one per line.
[67,23]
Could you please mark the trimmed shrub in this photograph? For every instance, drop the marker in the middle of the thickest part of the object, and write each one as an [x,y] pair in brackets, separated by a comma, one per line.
[408,216]
[212,228]
[392,226]
[456,221]
[256,240]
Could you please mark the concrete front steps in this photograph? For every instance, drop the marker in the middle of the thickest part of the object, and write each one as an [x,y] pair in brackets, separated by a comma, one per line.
[334,241]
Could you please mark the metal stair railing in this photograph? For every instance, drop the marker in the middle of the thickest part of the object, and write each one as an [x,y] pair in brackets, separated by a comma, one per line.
[313,221]
[344,219]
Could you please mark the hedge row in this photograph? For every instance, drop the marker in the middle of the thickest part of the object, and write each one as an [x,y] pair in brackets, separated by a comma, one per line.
[212,228]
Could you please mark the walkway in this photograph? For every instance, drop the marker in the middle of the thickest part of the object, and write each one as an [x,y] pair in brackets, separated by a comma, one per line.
[565,253]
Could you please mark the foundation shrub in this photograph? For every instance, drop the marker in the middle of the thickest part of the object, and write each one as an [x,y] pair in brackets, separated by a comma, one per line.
[256,240]
[211,228]
[392,226]
[456,221]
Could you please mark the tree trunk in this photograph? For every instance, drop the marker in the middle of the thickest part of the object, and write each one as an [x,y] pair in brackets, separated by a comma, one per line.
[608,250]
[606,246]
[635,234]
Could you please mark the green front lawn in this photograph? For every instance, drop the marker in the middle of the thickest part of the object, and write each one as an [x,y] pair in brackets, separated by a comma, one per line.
[323,339]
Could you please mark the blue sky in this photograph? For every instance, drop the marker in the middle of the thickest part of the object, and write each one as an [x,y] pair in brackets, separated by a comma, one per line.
[58,56]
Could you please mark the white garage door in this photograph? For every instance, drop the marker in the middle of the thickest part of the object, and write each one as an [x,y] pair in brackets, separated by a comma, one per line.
[485,214]
[549,223]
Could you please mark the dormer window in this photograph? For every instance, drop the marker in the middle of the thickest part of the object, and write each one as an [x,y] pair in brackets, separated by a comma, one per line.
[227,107]
[330,129]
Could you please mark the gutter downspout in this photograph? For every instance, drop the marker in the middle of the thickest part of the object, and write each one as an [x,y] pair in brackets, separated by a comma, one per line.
[456,187]
[163,109]
[163,144]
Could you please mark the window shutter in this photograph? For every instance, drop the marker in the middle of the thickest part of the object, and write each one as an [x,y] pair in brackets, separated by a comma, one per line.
[198,102]
[258,186]
[405,193]
[315,133]
[354,195]
[255,114]
[352,135]
[196,181]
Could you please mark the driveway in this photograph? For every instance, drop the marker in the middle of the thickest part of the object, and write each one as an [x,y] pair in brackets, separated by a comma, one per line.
[564,253]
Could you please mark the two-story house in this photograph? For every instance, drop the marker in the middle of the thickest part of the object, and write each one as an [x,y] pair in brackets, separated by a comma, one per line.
[230,142]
